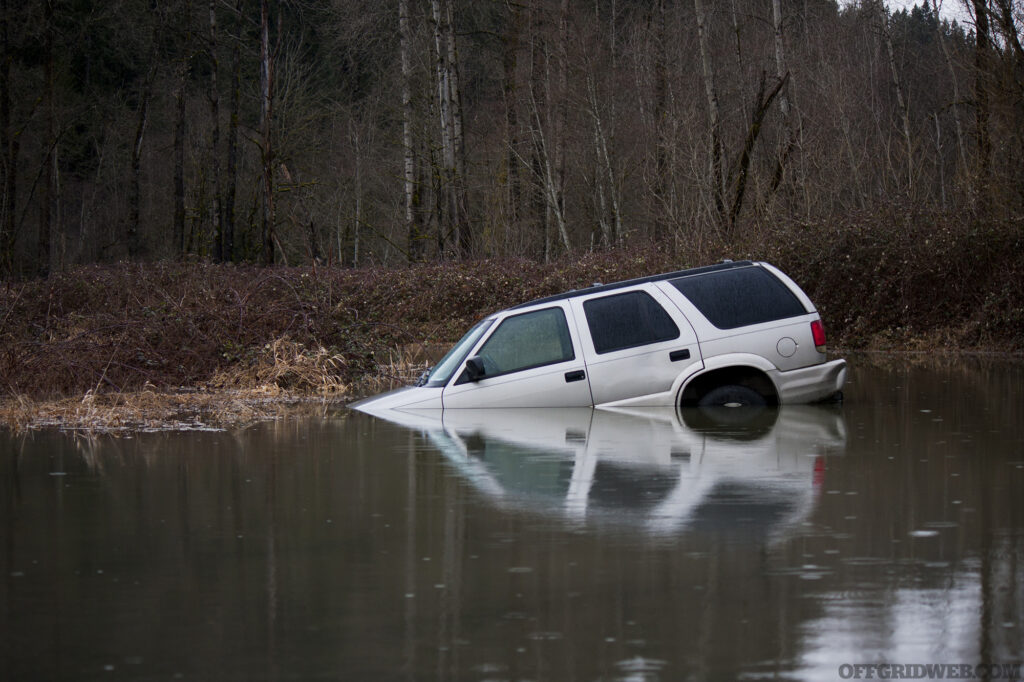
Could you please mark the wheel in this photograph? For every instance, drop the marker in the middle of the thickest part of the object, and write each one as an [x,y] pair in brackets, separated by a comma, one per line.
[732,395]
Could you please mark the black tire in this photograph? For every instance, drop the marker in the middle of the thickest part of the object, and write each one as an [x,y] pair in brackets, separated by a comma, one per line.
[732,395]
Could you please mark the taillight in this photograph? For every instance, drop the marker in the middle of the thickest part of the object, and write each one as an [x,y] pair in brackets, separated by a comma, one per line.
[818,332]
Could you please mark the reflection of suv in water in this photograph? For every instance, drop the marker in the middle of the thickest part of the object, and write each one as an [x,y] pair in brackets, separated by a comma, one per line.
[737,333]
[656,470]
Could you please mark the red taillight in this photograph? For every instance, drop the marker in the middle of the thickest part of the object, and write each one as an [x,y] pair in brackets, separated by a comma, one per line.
[818,332]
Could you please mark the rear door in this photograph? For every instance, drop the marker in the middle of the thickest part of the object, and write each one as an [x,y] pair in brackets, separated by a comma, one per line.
[531,359]
[635,342]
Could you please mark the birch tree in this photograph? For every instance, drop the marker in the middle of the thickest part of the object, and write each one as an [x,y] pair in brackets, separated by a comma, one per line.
[415,238]
[901,102]
[717,151]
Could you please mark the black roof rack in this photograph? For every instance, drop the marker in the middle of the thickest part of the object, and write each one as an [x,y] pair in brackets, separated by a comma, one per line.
[724,265]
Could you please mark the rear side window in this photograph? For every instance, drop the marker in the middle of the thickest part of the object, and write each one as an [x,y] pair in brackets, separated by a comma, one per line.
[627,321]
[740,297]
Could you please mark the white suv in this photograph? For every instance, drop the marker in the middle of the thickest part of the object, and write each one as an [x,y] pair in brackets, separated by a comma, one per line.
[737,333]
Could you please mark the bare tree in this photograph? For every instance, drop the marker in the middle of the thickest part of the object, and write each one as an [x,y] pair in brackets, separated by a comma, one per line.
[904,109]
[49,197]
[181,83]
[266,140]
[785,107]
[509,60]
[954,83]
[214,98]
[234,105]
[717,148]
[982,50]
[8,147]
[416,239]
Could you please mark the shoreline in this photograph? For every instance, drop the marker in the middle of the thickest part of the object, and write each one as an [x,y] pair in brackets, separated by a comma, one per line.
[152,411]
[218,409]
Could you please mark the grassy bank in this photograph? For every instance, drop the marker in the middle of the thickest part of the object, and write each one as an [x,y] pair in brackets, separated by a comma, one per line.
[97,335]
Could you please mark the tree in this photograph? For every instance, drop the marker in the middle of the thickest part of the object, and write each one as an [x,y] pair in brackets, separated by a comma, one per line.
[9,146]
[266,139]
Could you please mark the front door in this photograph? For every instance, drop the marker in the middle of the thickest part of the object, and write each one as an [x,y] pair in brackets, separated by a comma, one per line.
[529,359]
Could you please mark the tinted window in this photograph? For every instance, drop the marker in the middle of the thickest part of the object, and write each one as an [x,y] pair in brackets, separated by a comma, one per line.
[736,298]
[627,320]
[528,340]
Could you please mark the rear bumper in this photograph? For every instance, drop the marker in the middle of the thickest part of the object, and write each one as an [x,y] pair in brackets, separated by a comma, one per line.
[810,384]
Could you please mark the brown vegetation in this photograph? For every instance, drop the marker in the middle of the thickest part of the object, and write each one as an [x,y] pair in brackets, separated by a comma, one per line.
[254,334]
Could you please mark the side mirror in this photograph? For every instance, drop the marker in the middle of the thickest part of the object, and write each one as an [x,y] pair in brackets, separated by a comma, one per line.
[475,368]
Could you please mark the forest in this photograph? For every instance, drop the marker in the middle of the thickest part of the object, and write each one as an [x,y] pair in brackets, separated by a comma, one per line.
[386,132]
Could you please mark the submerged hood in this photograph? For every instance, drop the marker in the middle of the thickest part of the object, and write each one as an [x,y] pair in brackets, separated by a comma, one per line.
[407,397]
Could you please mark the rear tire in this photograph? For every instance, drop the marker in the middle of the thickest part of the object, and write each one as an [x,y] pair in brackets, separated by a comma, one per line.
[732,395]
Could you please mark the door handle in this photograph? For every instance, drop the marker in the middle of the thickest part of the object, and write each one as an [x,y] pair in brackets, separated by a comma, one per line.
[578,375]
[677,355]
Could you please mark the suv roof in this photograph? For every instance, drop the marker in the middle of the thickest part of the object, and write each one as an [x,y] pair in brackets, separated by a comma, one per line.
[598,288]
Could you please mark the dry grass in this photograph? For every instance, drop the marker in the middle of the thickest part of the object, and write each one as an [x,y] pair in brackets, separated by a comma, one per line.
[402,368]
[284,365]
[152,411]
[284,379]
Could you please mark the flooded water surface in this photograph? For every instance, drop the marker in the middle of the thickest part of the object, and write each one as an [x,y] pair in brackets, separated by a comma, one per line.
[796,543]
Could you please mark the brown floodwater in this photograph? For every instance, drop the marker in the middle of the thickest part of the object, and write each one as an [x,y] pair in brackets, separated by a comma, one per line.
[797,543]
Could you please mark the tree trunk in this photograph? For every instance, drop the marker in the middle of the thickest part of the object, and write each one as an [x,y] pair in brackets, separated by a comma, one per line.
[717,150]
[445,170]
[900,99]
[559,128]
[510,47]
[178,230]
[538,100]
[134,246]
[357,218]
[982,48]
[266,116]
[547,169]
[662,192]
[218,247]
[416,239]
[228,249]
[785,107]
[460,207]
[739,177]
[49,185]
[8,148]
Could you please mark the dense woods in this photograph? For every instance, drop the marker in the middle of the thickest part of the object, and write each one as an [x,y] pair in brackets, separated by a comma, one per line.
[355,132]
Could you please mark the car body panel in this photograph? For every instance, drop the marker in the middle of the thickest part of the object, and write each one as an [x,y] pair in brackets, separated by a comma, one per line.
[637,372]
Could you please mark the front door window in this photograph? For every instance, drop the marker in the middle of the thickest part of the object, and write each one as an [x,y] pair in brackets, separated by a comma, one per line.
[526,341]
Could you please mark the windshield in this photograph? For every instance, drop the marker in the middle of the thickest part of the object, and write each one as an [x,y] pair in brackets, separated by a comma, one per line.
[444,369]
